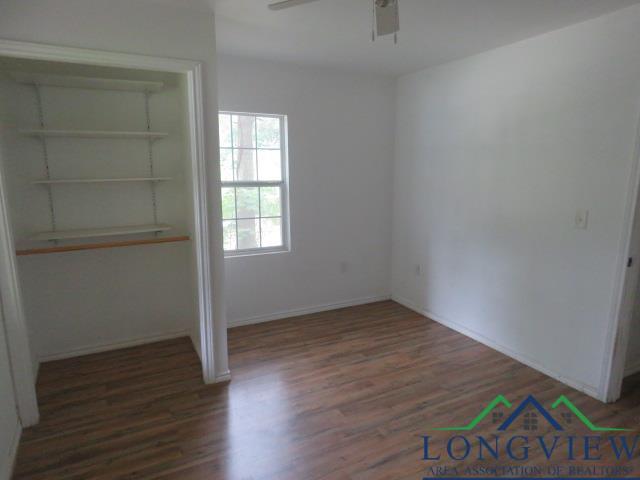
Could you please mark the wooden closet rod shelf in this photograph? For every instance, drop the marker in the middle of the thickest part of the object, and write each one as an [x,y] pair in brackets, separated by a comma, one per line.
[98,246]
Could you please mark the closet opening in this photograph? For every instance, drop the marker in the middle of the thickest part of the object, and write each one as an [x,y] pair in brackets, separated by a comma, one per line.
[103,181]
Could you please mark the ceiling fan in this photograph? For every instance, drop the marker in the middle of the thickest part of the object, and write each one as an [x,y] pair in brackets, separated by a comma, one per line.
[385,19]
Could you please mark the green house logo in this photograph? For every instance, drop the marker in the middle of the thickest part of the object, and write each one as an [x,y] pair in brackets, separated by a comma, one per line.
[531,403]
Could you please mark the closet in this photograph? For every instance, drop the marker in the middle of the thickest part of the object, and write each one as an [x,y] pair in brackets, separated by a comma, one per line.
[96,163]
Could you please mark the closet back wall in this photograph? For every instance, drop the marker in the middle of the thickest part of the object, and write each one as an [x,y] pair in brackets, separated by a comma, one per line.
[79,302]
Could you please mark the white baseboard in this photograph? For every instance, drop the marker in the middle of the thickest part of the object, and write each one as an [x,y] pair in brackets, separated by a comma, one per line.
[588,389]
[306,310]
[105,347]
[223,377]
[632,368]
[6,468]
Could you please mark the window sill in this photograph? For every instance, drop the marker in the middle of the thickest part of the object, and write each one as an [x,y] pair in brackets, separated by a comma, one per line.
[255,253]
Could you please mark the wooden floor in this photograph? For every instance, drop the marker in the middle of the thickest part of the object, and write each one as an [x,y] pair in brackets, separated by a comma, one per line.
[338,395]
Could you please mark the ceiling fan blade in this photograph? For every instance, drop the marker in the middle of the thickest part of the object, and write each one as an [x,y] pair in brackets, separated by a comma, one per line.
[387,18]
[287,4]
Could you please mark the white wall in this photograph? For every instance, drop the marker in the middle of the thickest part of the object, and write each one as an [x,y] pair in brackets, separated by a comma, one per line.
[141,27]
[494,155]
[340,159]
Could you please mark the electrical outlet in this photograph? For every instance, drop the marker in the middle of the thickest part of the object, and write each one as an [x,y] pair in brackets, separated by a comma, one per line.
[582,219]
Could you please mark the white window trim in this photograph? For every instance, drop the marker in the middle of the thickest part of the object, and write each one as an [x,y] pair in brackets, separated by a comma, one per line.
[283,184]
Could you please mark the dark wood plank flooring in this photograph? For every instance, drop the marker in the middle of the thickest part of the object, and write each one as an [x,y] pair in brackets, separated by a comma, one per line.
[336,395]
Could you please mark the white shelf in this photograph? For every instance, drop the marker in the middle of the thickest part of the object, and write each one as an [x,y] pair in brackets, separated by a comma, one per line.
[91,133]
[100,232]
[93,83]
[100,180]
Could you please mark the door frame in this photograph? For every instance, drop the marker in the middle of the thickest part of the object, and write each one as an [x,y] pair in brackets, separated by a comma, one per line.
[202,182]
[21,362]
[625,289]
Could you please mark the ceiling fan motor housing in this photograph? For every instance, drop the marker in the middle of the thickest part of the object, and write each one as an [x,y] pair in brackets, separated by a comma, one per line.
[386,19]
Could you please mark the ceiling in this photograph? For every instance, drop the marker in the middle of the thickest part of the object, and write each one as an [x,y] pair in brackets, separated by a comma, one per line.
[337,33]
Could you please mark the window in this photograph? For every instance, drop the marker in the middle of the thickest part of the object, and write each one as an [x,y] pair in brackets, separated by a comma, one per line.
[253,168]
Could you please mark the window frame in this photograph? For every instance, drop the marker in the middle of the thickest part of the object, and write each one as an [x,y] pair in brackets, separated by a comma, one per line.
[283,184]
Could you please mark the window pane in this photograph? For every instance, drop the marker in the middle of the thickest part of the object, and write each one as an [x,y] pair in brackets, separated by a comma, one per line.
[269,168]
[245,164]
[244,131]
[228,203]
[229,234]
[247,202]
[225,130]
[268,132]
[251,167]
[270,202]
[226,165]
[248,234]
[271,232]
